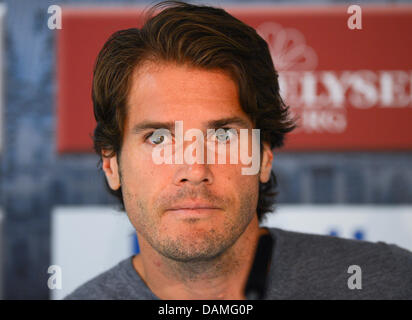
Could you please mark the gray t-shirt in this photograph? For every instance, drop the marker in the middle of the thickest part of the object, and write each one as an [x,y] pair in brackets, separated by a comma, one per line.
[304,266]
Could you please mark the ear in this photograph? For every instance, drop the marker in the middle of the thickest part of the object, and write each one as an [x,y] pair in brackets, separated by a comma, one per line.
[266,166]
[111,170]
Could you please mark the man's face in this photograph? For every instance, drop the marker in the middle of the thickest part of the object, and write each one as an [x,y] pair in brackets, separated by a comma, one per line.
[184,211]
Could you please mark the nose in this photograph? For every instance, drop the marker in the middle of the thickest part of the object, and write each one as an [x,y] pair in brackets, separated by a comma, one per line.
[194,168]
[194,174]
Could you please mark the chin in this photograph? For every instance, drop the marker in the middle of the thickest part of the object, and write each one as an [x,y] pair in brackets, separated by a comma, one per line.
[194,244]
[192,253]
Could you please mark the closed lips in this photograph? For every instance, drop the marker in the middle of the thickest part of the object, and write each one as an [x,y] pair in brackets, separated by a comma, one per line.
[193,207]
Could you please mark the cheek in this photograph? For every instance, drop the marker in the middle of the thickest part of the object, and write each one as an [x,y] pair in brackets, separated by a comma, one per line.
[231,180]
[137,160]
[142,178]
[245,190]
[136,172]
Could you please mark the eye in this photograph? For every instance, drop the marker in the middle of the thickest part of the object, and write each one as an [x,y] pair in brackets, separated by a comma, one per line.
[156,139]
[159,136]
[225,134]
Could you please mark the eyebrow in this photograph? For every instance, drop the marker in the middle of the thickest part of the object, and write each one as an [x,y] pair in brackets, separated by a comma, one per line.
[145,125]
[170,125]
[228,121]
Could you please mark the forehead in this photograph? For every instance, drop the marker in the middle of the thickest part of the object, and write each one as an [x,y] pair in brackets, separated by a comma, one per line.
[167,91]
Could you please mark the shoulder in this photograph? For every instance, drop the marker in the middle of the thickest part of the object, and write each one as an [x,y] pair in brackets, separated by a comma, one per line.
[327,261]
[114,284]
[309,244]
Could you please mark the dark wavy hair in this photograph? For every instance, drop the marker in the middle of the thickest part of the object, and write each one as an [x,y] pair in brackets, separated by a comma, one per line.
[203,37]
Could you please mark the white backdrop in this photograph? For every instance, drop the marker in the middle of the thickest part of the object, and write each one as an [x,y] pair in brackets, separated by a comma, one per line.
[392,224]
[89,240]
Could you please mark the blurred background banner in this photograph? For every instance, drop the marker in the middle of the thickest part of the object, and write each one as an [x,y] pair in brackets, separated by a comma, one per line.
[351,89]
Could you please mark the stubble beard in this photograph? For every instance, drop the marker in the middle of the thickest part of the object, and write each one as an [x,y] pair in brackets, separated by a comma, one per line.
[197,245]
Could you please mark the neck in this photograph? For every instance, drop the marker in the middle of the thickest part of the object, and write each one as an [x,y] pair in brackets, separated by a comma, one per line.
[223,277]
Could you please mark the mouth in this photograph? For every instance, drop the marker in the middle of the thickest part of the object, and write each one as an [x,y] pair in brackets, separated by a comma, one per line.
[193,209]
[193,206]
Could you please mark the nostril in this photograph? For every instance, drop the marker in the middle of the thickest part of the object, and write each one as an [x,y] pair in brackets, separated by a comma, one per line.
[193,175]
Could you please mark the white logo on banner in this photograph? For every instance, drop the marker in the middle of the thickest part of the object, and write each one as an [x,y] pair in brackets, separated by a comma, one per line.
[288,47]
